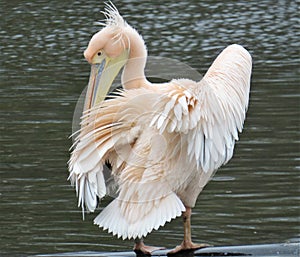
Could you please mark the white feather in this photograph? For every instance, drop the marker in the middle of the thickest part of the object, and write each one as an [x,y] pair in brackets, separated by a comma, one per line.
[178,111]
[182,101]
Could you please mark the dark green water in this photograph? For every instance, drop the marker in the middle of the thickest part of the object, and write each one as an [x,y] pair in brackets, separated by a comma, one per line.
[252,200]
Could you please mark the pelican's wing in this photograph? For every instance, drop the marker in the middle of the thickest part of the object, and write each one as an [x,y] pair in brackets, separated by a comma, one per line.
[212,113]
[145,200]
[118,130]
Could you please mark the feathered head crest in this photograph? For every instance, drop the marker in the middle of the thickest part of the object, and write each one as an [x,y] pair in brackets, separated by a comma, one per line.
[114,21]
[113,17]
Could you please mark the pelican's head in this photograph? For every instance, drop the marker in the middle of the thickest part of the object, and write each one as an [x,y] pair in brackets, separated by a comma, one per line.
[107,52]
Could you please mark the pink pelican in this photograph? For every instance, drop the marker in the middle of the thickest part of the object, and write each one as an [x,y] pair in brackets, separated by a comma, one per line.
[164,141]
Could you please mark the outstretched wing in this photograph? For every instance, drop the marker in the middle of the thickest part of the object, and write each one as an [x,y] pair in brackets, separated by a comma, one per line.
[212,112]
[118,130]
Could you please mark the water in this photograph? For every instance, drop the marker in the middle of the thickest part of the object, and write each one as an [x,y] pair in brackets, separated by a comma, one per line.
[252,200]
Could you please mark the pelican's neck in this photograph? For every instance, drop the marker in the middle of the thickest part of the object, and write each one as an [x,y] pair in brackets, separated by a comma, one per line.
[133,73]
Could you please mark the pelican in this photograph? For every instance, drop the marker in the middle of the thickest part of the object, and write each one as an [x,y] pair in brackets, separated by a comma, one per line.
[164,141]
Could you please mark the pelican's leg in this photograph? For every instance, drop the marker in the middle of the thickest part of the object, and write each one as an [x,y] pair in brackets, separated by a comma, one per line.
[187,243]
[139,246]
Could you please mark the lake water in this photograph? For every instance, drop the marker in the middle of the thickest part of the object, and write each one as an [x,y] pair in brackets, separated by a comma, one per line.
[254,199]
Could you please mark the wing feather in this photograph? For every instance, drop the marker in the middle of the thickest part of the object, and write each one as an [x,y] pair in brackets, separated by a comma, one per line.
[213,112]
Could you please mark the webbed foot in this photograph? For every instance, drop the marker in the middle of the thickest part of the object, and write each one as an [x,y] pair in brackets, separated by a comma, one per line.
[140,247]
[185,246]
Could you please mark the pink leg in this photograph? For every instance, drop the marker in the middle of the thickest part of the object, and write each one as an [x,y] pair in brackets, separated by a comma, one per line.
[187,243]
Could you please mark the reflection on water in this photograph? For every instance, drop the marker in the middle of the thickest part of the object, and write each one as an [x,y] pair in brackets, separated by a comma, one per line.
[252,200]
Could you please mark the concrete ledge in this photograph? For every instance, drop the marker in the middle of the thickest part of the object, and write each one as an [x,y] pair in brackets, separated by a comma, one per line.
[266,250]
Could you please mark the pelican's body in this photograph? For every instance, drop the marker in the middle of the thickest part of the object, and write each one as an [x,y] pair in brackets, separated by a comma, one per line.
[163,141]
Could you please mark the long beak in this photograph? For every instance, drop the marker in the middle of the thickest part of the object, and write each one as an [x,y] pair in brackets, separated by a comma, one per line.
[101,78]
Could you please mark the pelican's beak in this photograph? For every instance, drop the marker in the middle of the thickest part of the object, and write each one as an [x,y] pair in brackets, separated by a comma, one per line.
[103,72]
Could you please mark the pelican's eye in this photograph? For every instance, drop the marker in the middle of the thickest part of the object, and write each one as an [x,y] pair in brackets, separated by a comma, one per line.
[99,53]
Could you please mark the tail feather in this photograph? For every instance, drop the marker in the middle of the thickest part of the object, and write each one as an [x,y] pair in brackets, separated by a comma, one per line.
[113,220]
